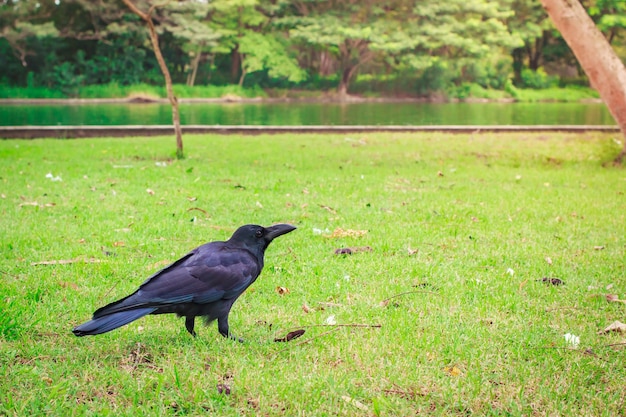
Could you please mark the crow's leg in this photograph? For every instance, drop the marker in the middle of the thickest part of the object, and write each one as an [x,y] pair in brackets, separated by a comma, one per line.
[190,322]
[222,327]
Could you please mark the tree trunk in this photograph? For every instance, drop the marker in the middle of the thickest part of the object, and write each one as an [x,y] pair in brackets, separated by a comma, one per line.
[594,53]
[191,80]
[154,38]
[244,72]
[344,82]
[235,63]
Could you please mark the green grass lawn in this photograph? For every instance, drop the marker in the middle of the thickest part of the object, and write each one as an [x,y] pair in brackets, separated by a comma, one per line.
[463,226]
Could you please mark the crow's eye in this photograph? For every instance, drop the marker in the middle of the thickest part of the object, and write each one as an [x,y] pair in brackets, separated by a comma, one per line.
[259,233]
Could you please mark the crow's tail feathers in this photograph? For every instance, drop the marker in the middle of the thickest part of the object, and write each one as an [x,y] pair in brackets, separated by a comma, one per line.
[110,322]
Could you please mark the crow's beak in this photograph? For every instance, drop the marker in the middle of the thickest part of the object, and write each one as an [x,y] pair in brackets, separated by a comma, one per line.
[278,230]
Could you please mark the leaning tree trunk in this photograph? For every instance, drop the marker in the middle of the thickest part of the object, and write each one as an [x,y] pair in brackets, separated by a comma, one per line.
[604,69]
[147,17]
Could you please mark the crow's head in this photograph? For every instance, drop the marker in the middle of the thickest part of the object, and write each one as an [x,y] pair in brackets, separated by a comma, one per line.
[255,236]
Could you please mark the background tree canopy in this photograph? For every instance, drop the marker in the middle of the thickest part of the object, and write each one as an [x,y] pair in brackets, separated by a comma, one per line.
[397,47]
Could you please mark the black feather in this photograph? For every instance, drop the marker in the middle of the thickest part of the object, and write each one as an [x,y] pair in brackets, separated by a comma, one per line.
[205,282]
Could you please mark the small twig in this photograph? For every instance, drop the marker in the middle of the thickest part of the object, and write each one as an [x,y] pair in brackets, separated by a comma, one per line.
[304,341]
[616,344]
[199,209]
[408,292]
[562,308]
[340,325]
[108,292]
[582,352]
[11,275]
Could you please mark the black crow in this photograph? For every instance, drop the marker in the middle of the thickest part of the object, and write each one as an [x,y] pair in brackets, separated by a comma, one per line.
[205,282]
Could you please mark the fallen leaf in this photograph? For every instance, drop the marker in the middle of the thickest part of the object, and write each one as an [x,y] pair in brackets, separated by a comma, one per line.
[572,340]
[36,204]
[119,244]
[306,308]
[552,281]
[339,232]
[330,320]
[614,298]
[343,251]
[282,290]
[549,260]
[149,191]
[356,403]
[192,199]
[330,209]
[452,370]
[290,336]
[52,177]
[598,247]
[616,326]
[223,389]
[350,251]
[412,251]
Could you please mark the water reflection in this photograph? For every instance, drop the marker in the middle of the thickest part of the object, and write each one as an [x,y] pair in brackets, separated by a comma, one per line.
[372,113]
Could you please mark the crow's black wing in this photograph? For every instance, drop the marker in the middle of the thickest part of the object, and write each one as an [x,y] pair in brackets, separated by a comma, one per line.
[205,275]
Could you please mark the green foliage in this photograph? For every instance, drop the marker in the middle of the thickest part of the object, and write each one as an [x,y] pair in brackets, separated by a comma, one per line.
[69,45]
[462,229]
[538,79]
[475,91]
[261,52]
[569,94]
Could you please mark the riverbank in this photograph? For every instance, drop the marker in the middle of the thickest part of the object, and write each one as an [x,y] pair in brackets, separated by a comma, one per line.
[78,132]
[143,93]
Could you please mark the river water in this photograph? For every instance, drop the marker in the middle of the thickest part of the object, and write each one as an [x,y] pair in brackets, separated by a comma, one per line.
[319,113]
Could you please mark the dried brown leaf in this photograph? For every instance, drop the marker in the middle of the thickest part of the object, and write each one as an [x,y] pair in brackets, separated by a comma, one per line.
[290,336]
[614,298]
[356,403]
[552,281]
[452,370]
[350,251]
[616,326]
[306,308]
[339,232]
[223,389]
[282,290]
